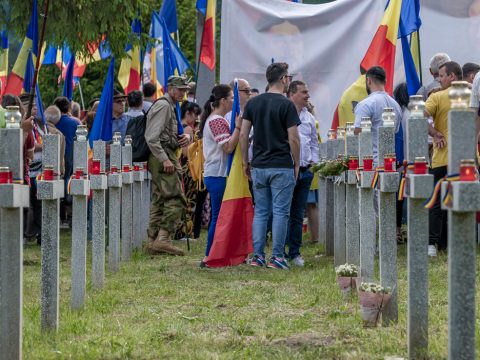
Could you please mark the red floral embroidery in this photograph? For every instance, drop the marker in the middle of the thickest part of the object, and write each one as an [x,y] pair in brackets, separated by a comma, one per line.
[219,128]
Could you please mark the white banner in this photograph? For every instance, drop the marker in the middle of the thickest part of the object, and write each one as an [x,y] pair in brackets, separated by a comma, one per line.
[324,44]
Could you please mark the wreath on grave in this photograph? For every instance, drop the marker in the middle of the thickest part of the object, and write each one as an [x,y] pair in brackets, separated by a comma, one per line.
[331,167]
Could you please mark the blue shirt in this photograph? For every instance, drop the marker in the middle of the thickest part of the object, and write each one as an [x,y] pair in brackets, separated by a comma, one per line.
[372,107]
[120,125]
[67,126]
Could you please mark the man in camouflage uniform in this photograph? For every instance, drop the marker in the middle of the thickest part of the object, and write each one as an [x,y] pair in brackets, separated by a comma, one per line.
[168,201]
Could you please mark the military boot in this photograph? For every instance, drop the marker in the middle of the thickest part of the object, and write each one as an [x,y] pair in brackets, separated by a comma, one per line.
[163,245]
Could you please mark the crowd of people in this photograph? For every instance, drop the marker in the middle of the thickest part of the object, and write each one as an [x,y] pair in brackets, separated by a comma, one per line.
[278,135]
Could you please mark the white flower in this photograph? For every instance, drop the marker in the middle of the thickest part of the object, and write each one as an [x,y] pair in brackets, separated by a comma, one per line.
[347,270]
[374,288]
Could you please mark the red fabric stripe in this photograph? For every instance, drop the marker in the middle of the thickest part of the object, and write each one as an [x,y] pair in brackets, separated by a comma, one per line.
[335,120]
[133,81]
[14,84]
[381,53]
[207,55]
[233,234]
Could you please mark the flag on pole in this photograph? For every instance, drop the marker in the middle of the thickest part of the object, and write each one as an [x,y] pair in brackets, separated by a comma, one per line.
[233,234]
[27,86]
[30,45]
[409,24]
[68,82]
[235,112]
[129,72]
[102,124]
[381,52]
[153,65]
[168,11]
[3,61]
[207,46]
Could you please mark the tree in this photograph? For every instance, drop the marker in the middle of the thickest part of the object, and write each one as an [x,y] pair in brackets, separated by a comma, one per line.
[81,21]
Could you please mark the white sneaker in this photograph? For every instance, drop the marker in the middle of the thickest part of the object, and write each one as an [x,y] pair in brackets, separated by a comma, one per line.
[298,261]
[432,251]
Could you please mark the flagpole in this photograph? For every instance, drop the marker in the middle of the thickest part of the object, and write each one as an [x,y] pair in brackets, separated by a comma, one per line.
[199,55]
[178,39]
[39,55]
[419,56]
[81,93]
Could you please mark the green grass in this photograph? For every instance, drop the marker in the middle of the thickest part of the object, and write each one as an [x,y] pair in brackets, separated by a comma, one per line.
[168,308]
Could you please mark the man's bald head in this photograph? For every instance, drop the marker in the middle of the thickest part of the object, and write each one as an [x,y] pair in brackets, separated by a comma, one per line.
[244,91]
[52,114]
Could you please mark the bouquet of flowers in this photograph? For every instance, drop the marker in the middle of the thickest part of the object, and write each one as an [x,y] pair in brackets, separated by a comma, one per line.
[373,298]
[331,167]
[346,278]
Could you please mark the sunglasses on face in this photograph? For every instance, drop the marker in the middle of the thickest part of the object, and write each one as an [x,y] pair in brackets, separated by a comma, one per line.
[246,91]
[289,77]
[119,101]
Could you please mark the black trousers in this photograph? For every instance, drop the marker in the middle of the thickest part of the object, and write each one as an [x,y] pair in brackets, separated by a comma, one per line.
[197,217]
[437,218]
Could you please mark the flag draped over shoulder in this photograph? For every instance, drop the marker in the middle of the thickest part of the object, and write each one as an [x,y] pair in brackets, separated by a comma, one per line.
[29,45]
[102,124]
[207,46]
[233,234]
[68,83]
[3,61]
[129,73]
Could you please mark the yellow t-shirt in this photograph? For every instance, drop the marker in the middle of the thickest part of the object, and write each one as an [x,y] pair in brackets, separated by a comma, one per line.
[438,106]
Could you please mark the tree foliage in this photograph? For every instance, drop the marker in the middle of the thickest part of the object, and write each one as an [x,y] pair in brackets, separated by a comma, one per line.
[81,21]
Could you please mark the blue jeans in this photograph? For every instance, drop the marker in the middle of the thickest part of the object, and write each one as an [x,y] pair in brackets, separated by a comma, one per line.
[297,212]
[216,188]
[273,189]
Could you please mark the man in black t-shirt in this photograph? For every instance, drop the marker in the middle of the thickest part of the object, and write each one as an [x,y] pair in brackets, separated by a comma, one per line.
[275,162]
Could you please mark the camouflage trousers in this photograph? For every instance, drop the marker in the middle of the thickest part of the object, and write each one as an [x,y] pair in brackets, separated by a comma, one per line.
[167,208]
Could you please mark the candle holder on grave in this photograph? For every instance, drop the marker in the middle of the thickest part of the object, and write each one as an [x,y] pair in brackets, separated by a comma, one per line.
[81,133]
[468,170]
[416,106]
[389,163]
[420,166]
[366,124]
[459,94]
[117,138]
[332,134]
[13,117]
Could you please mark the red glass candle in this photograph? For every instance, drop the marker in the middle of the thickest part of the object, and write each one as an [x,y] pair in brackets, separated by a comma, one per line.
[136,168]
[368,163]
[96,167]
[4,175]
[353,163]
[126,168]
[420,166]
[48,173]
[113,169]
[389,163]
[145,166]
[79,173]
[10,177]
[468,171]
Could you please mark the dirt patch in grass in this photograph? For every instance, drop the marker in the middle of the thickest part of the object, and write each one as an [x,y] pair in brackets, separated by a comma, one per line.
[305,339]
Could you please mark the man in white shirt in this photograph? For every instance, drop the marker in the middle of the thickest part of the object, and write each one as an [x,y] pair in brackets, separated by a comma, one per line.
[299,94]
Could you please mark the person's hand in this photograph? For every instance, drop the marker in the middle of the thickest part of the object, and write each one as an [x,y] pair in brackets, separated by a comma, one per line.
[168,167]
[184,140]
[246,171]
[27,124]
[439,140]
[297,171]
[238,121]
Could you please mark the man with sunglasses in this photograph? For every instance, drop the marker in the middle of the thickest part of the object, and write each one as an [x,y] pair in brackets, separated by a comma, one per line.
[275,162]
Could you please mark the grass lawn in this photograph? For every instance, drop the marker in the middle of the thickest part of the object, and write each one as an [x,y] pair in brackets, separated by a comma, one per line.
[168,308]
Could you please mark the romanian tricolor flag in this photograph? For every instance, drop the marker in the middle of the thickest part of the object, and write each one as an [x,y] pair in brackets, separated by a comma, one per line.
[30,45]
[3,61]
[129,73]
[233,234]
[381,51]
[400,18]
[207,47]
